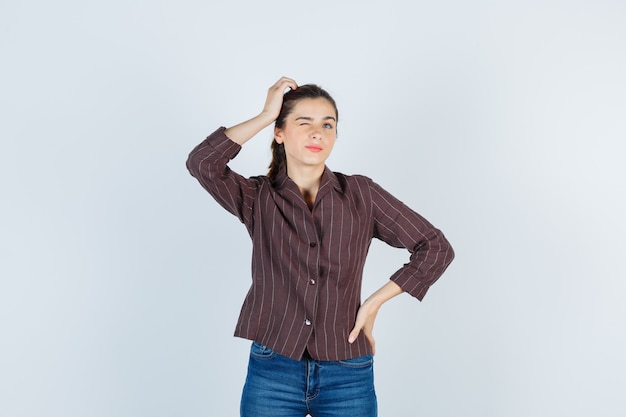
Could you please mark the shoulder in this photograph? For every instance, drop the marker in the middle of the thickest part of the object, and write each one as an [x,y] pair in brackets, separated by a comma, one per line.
[260,180]
[366,188]
[356,185]
[354,180]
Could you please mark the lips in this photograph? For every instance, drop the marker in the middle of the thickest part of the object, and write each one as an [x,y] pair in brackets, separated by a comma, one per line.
[314,148]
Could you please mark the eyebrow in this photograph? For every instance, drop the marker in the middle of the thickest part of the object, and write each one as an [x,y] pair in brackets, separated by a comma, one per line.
[311,119]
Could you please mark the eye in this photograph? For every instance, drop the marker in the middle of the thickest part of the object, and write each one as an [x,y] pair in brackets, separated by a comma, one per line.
[328,126]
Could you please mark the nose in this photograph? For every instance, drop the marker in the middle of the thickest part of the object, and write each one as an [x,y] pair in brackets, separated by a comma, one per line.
[316,134]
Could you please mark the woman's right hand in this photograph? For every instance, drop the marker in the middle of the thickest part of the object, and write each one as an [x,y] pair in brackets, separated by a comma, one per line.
[274,100]
[244,131]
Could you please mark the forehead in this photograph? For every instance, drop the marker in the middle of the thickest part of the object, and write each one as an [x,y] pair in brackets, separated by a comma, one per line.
[313,107]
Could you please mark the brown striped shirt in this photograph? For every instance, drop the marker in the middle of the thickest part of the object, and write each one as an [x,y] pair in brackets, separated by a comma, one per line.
[307,264]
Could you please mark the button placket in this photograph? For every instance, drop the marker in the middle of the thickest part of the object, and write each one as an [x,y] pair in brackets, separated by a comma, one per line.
[312,277]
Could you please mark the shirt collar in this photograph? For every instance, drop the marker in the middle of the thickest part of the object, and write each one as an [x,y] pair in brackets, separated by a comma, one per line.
[329,180]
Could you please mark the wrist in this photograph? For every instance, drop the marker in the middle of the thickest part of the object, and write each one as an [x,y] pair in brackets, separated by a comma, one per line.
[266,118]
[374,302]
[384,294]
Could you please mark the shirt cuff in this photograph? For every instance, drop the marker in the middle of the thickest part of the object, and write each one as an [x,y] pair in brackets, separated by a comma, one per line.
[222,144]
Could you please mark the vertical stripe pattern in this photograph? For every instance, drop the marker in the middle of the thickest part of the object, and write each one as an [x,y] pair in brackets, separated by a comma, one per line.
[307,264]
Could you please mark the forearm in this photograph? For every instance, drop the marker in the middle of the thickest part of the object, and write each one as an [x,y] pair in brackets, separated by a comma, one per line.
[243,132]
[384,294]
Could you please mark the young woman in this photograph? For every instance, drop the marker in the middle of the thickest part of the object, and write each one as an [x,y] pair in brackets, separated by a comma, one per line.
[311,229]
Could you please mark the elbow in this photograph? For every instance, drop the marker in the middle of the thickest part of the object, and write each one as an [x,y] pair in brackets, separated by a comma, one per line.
[189,163]
[193,164]
[448,250]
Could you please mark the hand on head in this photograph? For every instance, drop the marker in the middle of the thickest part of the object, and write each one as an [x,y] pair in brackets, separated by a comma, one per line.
[275,94]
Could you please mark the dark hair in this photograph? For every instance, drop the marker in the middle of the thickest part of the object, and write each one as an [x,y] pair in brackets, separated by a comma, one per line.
[279,159]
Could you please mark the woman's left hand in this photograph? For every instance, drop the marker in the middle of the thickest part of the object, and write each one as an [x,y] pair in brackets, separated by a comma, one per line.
[366,316]
[365,322]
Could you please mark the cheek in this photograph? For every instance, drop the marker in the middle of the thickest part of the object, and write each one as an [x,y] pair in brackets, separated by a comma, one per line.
[291,147]
[330,146]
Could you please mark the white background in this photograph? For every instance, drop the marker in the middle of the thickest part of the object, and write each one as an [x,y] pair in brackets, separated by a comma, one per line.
[503,123]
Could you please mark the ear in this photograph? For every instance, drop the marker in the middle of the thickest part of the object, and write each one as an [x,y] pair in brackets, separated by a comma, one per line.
[278,135]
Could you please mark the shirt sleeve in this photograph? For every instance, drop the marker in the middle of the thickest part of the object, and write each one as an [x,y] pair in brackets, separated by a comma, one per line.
[208,163]
[399,226]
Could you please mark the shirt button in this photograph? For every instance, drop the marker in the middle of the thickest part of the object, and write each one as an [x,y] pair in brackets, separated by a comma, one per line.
[313,244]
[312,282]
[307,322]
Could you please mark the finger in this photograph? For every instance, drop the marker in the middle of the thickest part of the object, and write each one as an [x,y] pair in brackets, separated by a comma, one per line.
[274,99]
[283,83]
[354,334]
[367,331]
[372,342]
[287,80]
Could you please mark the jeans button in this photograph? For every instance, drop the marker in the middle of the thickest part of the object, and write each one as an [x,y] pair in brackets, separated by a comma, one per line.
[307,322]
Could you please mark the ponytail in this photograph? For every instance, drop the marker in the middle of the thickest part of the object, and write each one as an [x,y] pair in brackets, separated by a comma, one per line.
[279,160]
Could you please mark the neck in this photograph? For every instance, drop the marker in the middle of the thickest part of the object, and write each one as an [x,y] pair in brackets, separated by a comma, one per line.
[308,181]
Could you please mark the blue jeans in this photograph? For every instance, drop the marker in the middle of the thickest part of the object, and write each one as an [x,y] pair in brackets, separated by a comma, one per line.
[277,386]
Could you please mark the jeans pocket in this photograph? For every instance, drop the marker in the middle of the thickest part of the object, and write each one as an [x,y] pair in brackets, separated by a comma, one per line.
[260,351]
[360,362]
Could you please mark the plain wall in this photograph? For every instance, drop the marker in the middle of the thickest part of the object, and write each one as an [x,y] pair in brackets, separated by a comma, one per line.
[503,123]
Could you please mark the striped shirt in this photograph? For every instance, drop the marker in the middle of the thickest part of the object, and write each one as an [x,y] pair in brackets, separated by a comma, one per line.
[307,264]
